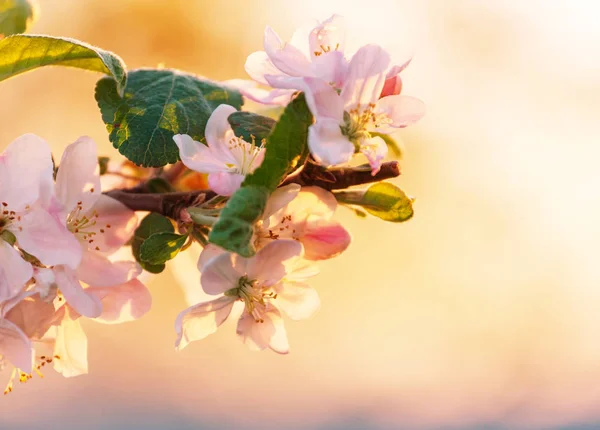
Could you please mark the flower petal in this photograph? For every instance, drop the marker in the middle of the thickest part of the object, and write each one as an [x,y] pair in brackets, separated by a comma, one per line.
[122,303]
[397,69]
[219,275]
[324,239]
[26,171]
[323,100]
[16,346]
[327,143]
[209,252]
[115,225]
[14,271]
[225,183]
[258,64]
[78,177]
[71,348]
[328,36]
[268,265]
[217,127]
[98,271]
[287,58]
[402,110]
[33,316]
[41,235]
[375,149]
[76,296]
[366,76]
[280,198]
[297,300]
[270,332]
[201,320]
[331,68]
[197,156]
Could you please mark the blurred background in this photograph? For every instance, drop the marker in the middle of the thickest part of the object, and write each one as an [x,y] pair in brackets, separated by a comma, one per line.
[481,313]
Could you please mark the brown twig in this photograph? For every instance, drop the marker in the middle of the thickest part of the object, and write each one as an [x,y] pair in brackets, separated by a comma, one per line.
[171,204]
[167,204]
[339,179]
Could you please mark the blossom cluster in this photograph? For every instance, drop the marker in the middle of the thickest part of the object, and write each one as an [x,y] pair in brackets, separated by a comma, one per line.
[63,242]
[58,234]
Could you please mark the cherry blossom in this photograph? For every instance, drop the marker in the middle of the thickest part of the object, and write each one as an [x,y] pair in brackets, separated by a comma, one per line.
[26,171]
[316,53]
[268,283]
[345,121]
[304,215]
[227,159]
[100,224]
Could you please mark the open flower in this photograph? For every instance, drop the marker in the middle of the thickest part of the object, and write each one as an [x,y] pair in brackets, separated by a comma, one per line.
[270,282]
[100,224]
[345,121]
[26,170]
[317,53]
[35,332]
[304,215]
[227,159]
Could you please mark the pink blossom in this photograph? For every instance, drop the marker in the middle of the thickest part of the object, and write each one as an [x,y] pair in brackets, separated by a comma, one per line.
[316,52]
[100,224]
[268,283]
[304,215]
[26,171]
[345,121]
[227,159]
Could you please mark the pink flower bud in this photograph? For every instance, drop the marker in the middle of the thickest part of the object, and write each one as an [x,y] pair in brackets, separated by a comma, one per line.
[392,86]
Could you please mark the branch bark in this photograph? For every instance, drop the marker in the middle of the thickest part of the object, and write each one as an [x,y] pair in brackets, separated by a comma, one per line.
[171,204]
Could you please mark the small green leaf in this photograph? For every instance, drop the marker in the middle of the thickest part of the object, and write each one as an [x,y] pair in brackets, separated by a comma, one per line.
[287,149]
[158,104]
[15,16]
[391,143]
[161,247]
[235,227]
[248,125]
[152,224]
[103,164]
[22,52]
[159,185]
[287,146]
[383,200]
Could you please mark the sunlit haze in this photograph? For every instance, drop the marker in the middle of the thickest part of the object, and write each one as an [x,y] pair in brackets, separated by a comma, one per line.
[482,312]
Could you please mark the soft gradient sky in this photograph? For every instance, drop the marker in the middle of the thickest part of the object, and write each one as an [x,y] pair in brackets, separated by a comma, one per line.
[480,313]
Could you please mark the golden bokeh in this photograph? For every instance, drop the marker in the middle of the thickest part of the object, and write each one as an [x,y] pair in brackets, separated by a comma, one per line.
[482,312]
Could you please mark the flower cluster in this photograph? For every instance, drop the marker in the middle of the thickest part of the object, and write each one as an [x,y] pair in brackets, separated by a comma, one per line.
[354,99]
[57,239]
[264,219]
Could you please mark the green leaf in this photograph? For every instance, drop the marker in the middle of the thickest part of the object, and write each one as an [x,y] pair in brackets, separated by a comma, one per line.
[287,149]
[235,227]
[103,164]
[22,52]
[161,247]
[15,16]
[391,143]
[248,125]
[287,146]
[159,185]
[158,104]
[383,200]
[152,224]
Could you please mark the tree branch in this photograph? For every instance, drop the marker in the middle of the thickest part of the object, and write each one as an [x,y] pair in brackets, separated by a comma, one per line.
[171,204]
[339,179]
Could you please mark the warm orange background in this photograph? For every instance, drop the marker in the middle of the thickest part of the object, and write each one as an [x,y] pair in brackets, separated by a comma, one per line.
[480,313]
